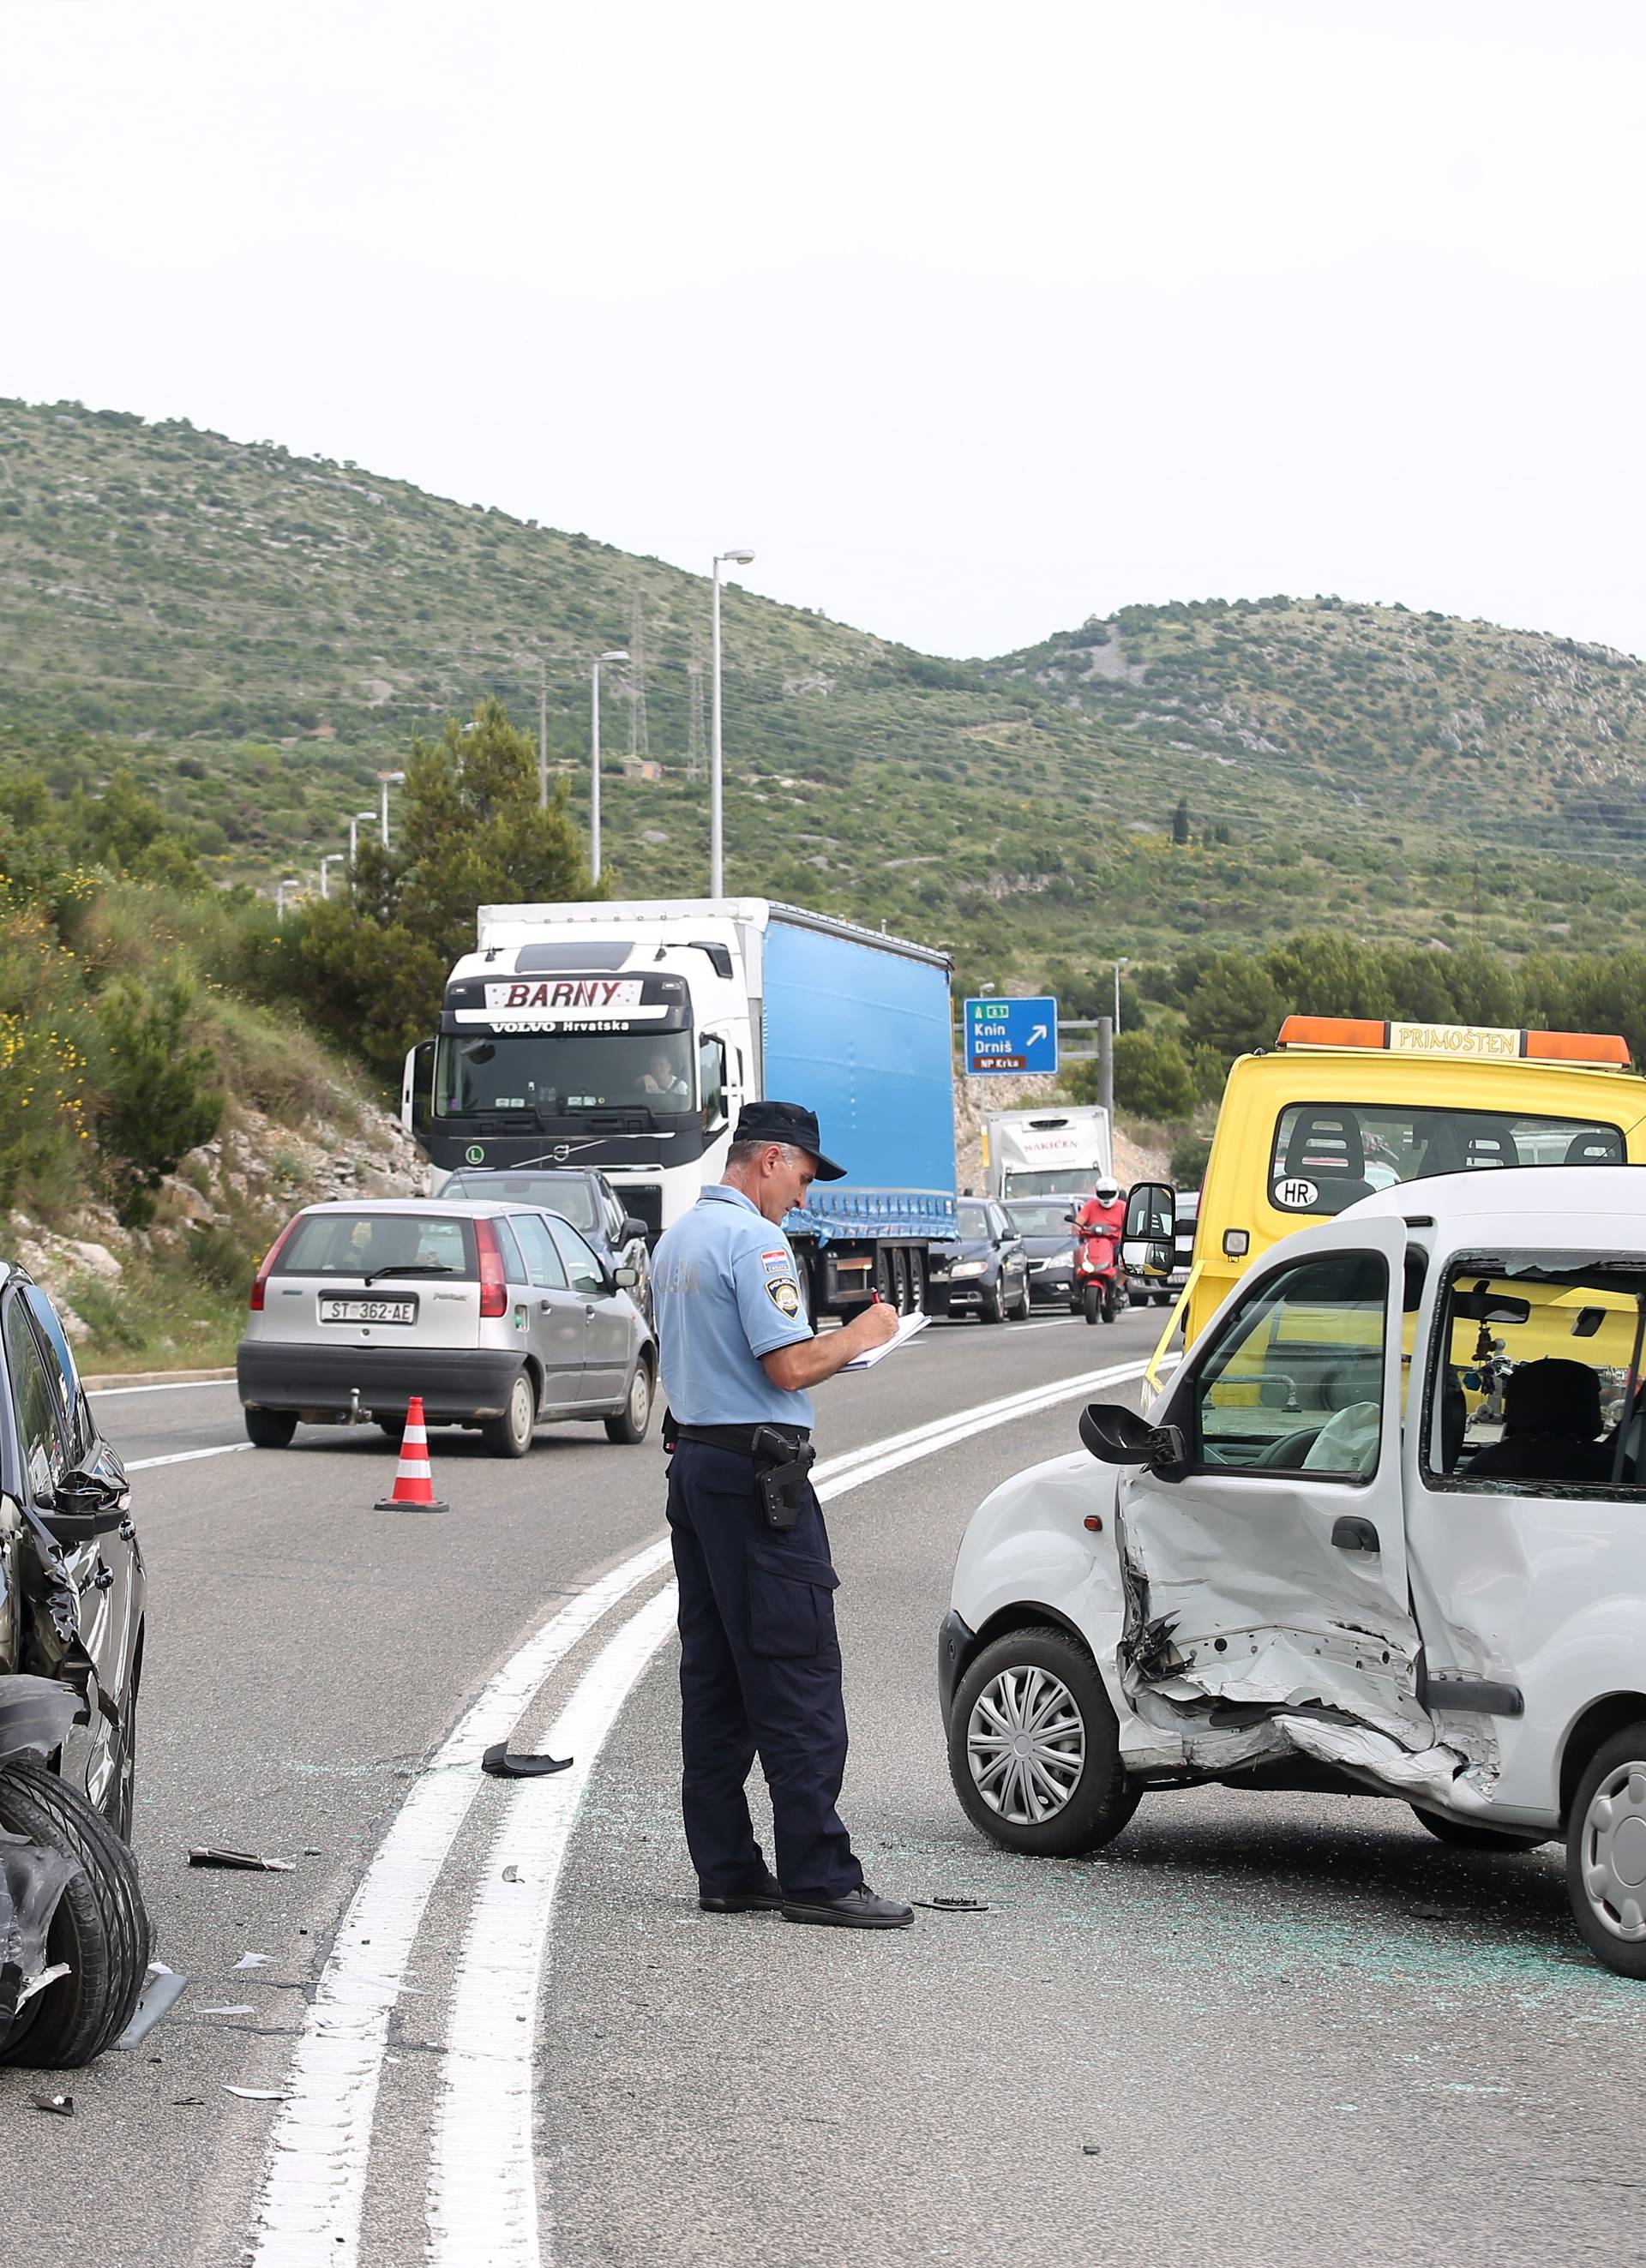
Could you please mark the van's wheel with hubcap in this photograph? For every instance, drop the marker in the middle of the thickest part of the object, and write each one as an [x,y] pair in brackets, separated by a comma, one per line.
[270,1429]
[1464,1834]
[1034,1750]
[1605,1853]
[630,1425]
[100,1927]
[511,1434]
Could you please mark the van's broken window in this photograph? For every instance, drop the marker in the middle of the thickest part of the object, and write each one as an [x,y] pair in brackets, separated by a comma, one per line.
[1537,1385]
[1295,1381]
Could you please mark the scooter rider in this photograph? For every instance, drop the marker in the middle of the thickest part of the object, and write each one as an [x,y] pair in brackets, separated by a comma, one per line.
[759,1660]
[1104,1212]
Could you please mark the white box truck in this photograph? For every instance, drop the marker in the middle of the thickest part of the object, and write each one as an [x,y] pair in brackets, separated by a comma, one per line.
[1058,1151]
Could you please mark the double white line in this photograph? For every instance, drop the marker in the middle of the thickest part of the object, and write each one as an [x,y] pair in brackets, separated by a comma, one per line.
[482,2196]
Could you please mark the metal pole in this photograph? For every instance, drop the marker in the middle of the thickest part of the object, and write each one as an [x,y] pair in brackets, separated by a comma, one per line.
[385,785]
[1105,1065]
[1118,966]
[594,779]
[716,873]
[354,841]
[543,736]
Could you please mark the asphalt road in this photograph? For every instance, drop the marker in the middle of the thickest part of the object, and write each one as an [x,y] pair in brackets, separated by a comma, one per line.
[1276,2029]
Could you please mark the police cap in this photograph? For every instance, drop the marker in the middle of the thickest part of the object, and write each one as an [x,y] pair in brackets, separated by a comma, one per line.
[791,1123]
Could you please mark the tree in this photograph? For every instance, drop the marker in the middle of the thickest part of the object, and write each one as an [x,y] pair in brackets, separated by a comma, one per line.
[373,966]
[1180,829]
[1152,1078]
[157,1103]
[1235,1007]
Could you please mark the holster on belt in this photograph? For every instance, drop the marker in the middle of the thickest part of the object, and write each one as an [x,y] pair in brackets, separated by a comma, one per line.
[780,1469]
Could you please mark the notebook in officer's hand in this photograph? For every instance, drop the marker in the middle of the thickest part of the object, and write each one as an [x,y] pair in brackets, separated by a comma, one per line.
[908,1325]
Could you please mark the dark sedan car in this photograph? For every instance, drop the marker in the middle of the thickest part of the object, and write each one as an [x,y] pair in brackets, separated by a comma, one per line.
[579,1195]
[987,1273]
[1049,1241]
[74,1936]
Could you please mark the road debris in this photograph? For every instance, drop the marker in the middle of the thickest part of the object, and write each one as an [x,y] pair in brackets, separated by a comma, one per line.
[952,1905]
[239,2008]
[253,1960]
[162,1990]
[500,1764]
[257,2094]
[61,2106]
[511,1874]
[242,1862]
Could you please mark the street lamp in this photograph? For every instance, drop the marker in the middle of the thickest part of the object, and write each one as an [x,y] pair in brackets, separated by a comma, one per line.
[618,653]
[354,817]
[717,863]
[1118,966]
[331,859]
[388,780]
[291,882]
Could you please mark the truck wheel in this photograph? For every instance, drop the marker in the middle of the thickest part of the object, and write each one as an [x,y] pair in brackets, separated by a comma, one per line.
[1091,1303]
[100,1927]
[1605,1853]
[631,1424]
[270,1429]
[511,1434]
[1034,1750]
[1464,1834]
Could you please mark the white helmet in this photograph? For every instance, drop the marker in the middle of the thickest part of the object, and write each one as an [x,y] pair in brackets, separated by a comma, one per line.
[1108,1189]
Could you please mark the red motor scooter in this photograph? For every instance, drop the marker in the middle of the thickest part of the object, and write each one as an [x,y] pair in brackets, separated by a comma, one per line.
[1099,1280]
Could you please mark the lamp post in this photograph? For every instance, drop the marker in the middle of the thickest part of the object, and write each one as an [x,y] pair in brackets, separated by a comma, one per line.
[388,780]
[291,882]
[618,653]
[717,863]
[1118,966]
[331,859]
[354,817]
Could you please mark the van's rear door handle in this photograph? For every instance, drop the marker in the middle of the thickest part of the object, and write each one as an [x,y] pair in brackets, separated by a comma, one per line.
[1351,1535]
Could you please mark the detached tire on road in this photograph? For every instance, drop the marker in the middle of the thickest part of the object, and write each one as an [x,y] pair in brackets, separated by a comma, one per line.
[100,1927]
[1605,1853]
[633,1421]
[1034,1750]
[511,1434]
[270,1429]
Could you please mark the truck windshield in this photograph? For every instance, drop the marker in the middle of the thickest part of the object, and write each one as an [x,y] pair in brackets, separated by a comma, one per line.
[1051,1180]
[563,1071]
[1327,1154]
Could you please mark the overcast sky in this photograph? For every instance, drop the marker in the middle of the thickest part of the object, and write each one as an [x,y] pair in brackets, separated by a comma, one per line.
[971,320]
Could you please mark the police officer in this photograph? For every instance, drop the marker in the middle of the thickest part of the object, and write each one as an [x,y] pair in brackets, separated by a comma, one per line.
[759,1662]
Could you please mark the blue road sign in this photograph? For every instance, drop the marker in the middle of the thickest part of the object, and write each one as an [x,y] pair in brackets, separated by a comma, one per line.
[1009,1036]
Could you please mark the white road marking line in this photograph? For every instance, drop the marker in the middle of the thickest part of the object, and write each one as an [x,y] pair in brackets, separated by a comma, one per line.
[482,2185]
[187,1456]
[313,2186]
[166,1386]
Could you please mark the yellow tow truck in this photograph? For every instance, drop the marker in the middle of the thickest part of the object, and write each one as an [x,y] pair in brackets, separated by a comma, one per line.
[1342,1105]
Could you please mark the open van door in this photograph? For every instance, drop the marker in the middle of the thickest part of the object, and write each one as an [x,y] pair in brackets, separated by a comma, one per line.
[1266,1564]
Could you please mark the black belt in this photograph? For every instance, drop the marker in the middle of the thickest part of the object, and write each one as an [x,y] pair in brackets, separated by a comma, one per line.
[740,1439]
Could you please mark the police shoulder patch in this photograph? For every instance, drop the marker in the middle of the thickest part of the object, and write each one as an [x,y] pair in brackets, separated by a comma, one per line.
[785,1295]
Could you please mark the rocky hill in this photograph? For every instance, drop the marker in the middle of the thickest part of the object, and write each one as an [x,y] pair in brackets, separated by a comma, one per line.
[255,635]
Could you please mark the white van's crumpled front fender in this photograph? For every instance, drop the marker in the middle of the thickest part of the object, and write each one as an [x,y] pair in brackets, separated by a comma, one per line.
[1027,1544]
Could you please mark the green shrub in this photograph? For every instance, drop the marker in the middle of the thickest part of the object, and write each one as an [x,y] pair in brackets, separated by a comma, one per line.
[157,1100]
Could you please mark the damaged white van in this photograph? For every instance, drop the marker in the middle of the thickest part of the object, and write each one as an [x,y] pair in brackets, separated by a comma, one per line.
[1384,1531]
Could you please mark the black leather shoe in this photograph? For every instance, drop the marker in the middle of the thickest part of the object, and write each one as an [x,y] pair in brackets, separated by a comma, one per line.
[764,1897]
[859,1909]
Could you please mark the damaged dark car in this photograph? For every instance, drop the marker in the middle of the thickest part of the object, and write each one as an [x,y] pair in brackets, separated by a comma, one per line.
[74,1933]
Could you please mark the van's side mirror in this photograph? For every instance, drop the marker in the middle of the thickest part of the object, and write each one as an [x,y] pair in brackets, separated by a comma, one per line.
[1116,1435]
[83,1506]
[1148,1239]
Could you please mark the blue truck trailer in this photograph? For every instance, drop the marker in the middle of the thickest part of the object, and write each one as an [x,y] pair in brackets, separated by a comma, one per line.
[629,1035]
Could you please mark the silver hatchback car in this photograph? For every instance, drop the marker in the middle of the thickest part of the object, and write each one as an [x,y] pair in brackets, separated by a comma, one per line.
[500,1316]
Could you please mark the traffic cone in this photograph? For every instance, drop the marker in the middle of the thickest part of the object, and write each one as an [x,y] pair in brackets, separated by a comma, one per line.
[414,1479]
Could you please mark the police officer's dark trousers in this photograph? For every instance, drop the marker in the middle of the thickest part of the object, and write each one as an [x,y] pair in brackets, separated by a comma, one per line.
[759,1672]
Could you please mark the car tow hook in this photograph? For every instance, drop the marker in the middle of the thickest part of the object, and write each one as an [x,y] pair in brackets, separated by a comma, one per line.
[356,1416]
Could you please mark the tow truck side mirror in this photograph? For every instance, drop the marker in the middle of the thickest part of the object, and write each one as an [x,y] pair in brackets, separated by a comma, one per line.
[1148,1239]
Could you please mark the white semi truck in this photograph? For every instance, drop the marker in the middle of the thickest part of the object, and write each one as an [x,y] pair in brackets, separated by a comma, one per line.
[629,1035]
[1059,1150]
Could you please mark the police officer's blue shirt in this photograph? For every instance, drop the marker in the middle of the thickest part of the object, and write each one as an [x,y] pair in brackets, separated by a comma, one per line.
[725,1290]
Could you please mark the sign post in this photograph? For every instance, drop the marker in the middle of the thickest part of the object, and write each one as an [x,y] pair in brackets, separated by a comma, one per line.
[1000,1037]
